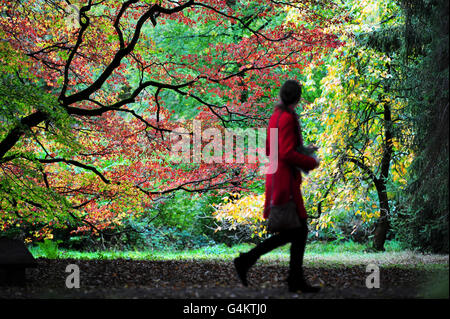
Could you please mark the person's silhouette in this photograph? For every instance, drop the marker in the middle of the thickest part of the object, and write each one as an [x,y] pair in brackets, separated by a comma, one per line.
[287,183]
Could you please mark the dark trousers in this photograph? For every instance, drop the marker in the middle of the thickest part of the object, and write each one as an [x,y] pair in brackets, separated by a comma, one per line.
[297,238]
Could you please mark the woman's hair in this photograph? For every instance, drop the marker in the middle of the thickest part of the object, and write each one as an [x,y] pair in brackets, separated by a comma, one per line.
[290,93]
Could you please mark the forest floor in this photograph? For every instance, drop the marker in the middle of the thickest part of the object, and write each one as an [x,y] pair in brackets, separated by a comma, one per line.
[190,279]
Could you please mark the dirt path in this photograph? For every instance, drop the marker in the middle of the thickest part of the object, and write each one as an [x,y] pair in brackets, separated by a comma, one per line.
[200,279]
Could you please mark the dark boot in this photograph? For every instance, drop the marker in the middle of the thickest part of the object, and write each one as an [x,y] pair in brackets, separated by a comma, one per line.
[242,265]
[297,282]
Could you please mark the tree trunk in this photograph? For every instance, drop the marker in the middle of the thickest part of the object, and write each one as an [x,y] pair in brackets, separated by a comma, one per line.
[382,224]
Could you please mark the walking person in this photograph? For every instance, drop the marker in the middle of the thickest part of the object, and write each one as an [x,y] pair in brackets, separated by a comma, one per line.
[287,180]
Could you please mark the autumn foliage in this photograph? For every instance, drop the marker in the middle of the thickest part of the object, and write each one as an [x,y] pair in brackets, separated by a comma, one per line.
[92,89]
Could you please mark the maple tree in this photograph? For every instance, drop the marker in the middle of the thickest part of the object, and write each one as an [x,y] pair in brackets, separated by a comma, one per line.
[89,101]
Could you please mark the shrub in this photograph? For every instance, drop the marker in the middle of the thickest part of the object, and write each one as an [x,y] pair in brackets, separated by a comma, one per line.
[49,248]
[241,219]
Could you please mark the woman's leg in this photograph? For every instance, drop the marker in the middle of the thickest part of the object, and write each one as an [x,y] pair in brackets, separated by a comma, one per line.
[270,244]
[298,243]
[246,260]
[296,280]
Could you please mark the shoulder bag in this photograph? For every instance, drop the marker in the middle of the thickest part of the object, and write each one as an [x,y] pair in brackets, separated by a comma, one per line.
[284,216]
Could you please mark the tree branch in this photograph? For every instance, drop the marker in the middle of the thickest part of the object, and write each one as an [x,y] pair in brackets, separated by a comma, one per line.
[74,163]
[14,135]
[121,53]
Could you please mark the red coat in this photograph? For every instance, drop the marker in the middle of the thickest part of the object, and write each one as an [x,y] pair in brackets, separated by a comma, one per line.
[286,182]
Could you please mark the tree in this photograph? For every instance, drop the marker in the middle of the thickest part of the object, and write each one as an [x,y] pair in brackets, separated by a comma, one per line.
[88,141]
[361,107]
[425,81]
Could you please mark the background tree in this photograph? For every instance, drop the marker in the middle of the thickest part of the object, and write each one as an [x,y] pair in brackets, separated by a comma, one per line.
[425,80]
[361,107]
[356,113]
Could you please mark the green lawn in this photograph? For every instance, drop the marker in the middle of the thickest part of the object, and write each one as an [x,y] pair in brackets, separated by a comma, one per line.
[317,255]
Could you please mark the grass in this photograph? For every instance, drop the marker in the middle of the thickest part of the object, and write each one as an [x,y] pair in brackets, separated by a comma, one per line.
[318,254]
